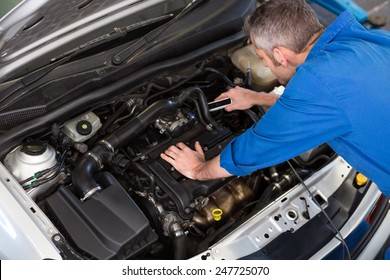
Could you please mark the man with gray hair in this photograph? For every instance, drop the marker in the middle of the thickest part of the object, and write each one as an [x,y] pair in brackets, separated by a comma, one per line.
[337,92]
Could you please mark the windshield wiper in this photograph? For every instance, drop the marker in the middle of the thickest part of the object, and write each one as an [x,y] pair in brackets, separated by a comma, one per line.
[113,35]
[149,40]
[63,58]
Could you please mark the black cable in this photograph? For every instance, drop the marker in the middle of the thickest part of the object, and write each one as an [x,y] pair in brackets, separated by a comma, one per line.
[59,166]
[196,73]
[200,70]
[252,115]
[39,174]
[219,73]
[311,162]
[335,230]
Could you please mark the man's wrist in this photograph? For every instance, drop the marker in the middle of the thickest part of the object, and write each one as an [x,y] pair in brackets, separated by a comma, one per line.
[266,99]
[210,170]
[198,173]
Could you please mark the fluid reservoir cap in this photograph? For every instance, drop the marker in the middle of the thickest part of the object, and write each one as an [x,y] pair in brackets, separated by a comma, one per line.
[361,180]
[217,214]
[34,147]
[84,127]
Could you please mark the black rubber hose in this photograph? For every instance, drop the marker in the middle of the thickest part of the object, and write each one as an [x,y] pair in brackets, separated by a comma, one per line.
[180,247]
[146,173]
[196,73]
[112,118]
[311,162]
[137,125]
[200,115]
[83,174]
[252,115]
[204,107]
[222,75]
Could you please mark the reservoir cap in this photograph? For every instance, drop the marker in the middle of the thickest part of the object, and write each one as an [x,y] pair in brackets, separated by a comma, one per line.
[361,180]
[84,127]
[34,147]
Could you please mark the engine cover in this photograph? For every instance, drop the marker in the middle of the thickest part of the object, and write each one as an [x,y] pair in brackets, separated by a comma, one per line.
[181,190]
[109,225]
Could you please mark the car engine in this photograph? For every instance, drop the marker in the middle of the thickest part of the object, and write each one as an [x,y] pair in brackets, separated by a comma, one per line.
[100,179]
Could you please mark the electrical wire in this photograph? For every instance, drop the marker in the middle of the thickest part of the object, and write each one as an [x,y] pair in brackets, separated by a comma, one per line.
[39,174]
[37,183]
[335,230]
[193,75]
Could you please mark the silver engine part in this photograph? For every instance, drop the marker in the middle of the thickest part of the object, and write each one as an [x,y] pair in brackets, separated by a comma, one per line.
[30,158]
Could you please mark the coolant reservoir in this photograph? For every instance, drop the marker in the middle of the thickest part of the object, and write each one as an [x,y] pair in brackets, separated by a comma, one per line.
[262,77]
[29,158]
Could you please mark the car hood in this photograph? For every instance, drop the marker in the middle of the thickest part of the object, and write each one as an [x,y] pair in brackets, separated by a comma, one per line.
[36,31]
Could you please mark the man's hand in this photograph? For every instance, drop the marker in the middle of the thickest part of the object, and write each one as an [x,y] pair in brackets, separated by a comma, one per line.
[192,163]
[243,98]
[188,162]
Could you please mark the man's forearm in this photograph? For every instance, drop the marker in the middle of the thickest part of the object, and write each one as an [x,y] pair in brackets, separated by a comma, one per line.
[211,169]
[265,99]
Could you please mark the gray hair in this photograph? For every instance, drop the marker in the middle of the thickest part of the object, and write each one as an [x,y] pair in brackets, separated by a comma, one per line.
[286,23]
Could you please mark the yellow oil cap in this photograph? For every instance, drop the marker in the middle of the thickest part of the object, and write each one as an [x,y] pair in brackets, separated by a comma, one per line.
[217,214]
[361,180]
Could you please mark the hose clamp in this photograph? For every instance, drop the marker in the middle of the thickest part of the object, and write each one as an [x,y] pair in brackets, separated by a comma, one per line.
[107,144]
[90,193]
[277,185]
[96,158]
[176,230]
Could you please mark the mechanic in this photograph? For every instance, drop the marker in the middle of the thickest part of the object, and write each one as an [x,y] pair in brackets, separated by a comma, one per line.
[337,91]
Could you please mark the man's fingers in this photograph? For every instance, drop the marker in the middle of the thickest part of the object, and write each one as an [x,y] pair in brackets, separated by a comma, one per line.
[167,158]
[170,154]
[181,146]
[198,148]
[180,150]
[173,152]
[222,95]
[173,149]
[230,108]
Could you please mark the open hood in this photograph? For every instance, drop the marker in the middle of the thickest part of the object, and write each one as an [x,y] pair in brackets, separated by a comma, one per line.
[35,32]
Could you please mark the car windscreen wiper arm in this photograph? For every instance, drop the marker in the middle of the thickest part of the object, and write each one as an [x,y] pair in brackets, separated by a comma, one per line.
[115,34]
[147,41]
[63,58]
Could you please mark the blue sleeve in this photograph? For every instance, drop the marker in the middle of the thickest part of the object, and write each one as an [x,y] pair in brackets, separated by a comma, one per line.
[305,116]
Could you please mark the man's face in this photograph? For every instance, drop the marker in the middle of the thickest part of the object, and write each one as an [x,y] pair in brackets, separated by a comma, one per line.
[282,73]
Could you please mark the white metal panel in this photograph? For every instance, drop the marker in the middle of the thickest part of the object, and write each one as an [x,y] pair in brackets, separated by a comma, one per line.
[25,231]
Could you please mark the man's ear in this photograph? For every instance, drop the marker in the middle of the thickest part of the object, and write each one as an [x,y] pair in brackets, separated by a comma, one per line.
[280,56]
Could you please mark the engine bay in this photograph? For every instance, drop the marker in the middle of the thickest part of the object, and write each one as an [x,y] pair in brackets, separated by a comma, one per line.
[99,177]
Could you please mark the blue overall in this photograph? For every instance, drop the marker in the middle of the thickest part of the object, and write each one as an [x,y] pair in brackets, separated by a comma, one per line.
[340,95]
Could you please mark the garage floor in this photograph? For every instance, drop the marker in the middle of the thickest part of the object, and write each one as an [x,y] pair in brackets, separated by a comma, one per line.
[380,7]
[373,7]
